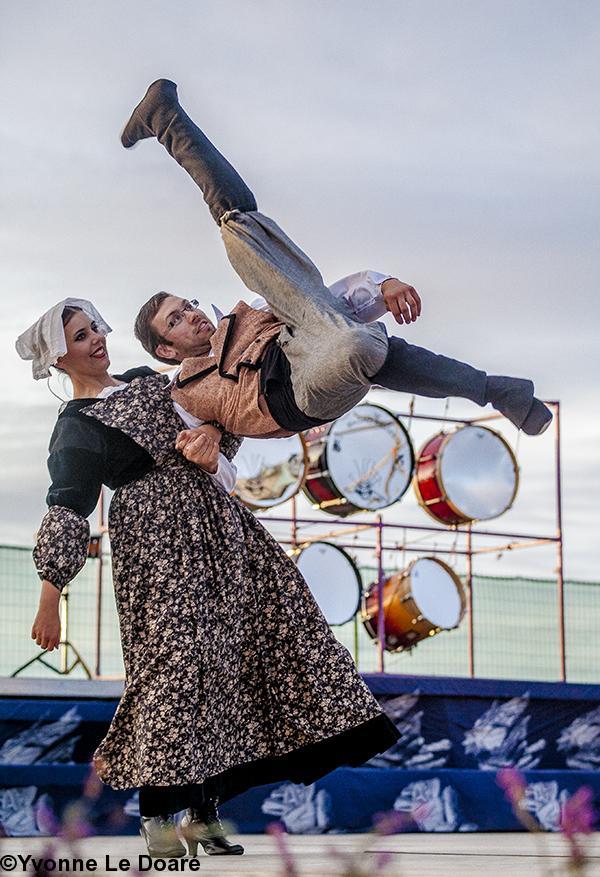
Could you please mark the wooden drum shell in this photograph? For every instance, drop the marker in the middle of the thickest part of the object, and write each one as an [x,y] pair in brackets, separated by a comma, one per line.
[404,625]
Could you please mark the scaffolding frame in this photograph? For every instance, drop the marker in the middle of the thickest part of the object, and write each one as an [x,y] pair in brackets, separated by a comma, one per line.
[471,533]
[381,527]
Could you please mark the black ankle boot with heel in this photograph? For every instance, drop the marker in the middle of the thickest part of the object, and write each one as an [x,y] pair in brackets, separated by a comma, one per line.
[204,826]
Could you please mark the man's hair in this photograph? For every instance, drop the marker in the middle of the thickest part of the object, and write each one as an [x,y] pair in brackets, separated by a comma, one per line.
[145,332]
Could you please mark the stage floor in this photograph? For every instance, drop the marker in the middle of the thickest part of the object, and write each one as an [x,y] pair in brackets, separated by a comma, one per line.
[417,855]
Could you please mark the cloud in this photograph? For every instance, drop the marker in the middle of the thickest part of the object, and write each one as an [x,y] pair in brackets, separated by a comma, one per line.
[452,144]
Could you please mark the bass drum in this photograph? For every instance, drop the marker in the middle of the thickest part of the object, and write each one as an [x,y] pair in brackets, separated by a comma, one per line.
[333,579]
[469,474]
[426,598]
[364,460]
[270,471]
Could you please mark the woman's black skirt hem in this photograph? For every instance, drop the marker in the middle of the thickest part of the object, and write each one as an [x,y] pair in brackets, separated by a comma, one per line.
[304,765]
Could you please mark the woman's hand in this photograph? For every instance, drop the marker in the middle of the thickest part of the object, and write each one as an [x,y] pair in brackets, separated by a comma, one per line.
[46,627]
[199,447]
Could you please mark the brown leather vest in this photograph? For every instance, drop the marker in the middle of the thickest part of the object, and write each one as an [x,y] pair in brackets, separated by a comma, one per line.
[225,386]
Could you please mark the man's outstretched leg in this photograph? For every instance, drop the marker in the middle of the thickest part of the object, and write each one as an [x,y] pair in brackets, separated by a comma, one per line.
[268,262]
[333,358]
[159,114]
[415,370]
[330,354]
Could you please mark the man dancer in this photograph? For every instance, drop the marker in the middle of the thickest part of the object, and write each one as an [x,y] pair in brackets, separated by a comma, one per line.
[310,358]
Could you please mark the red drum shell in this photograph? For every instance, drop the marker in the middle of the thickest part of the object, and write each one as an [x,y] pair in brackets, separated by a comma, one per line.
[428,485]
[318,486]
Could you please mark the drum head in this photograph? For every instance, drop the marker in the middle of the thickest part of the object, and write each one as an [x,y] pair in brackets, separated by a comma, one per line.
[333,580]
[270,471]
[478,472]
[435,592]
[370,458]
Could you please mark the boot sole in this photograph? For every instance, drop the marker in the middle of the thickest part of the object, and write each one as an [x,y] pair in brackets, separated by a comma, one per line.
[169,854]
[225,853]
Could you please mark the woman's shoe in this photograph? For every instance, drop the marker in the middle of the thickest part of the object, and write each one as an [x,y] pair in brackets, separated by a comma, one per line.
[205,827]
[161,838]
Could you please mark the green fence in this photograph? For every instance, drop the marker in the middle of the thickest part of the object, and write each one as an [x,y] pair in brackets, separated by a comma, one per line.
[515,624]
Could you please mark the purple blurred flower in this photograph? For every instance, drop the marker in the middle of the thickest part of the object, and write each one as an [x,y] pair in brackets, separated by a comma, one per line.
[578,817]
[279,835]
[391,822]
[382,858]
[75,824]
[117,818]
[347,859]
[513,782]
[93,785]
[46,817]
[421,812]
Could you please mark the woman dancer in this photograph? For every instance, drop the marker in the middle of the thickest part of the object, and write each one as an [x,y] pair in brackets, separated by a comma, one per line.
[232,676]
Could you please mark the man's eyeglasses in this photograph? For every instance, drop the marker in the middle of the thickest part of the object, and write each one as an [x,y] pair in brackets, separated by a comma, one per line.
[175,317]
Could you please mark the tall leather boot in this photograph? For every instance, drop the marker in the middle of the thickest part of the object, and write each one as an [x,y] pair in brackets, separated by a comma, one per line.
[204,826]
[159,114]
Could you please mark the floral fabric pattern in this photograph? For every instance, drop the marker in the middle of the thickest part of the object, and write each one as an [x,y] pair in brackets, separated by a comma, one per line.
[228,659]
[151,425]
[62,546]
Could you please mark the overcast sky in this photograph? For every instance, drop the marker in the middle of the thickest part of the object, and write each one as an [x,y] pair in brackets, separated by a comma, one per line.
[452,144]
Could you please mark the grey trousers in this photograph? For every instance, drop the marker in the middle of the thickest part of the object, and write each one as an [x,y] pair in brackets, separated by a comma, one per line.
[331,355]
[334,359]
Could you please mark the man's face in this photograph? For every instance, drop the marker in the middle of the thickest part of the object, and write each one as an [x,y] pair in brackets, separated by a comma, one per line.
[187,330]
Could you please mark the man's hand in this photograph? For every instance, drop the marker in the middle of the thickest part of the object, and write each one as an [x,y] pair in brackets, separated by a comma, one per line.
[200,447]
[46,626]
[401,300]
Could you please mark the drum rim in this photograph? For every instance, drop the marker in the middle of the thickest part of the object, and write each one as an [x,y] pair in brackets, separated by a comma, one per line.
[330,506]
[438,473]
[299,550]
[255,508]
[460,587]
[408,441]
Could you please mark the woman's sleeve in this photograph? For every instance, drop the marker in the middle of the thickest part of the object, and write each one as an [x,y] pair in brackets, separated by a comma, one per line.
[62,545]
[76,470]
